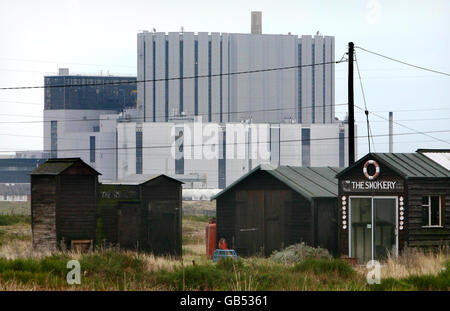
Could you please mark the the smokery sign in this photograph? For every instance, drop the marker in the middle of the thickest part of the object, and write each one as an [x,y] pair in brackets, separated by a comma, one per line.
[384,184]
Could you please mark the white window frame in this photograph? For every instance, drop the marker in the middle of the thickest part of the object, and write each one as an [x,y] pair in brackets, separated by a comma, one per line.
[429,225]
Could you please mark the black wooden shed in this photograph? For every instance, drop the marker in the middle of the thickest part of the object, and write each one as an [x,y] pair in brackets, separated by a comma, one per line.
[63,203]
[141,212]
[69,205]
[272,207]
[389,201]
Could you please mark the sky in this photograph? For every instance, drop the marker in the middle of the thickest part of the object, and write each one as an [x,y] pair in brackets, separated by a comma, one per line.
[97,36]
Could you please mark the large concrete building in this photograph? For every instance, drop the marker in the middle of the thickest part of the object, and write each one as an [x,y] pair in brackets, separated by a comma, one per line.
[207,62]
[228,81]
[213,155]
[80,121]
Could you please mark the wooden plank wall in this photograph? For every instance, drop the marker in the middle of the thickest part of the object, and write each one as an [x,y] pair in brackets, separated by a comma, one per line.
[108,199]
[43,212]
[295,220]
[418,236]
[76,207]
[163,194]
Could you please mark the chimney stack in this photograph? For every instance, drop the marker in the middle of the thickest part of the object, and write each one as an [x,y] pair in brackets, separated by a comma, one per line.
[256,22]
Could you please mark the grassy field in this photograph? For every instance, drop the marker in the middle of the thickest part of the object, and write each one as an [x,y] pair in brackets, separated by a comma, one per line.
[112,269]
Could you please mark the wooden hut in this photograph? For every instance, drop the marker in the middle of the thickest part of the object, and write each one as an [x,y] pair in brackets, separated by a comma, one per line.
[270,208]
[142,212]
[63,203]
[389,201]
[69,206]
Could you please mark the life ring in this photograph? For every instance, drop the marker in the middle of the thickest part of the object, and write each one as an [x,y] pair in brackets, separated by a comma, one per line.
[377,169]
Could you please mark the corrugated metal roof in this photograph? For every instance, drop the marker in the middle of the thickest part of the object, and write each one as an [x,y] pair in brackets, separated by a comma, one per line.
[310,182]
[408,165]
[57,166]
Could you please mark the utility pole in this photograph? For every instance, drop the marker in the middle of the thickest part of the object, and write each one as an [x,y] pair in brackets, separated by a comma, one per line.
[351,112]
[391,132]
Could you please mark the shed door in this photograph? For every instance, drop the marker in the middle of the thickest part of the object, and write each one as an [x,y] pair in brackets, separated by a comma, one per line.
[250,222]
[129,224]
[274,206]
[326,225]
[161,230]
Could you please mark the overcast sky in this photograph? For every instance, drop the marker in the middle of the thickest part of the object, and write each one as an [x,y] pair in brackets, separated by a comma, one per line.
[37,37]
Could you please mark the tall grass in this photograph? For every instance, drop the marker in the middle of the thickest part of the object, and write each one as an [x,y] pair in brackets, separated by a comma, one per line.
[415,261]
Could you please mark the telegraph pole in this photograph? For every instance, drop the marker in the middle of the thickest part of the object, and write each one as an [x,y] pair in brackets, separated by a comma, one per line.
[351,112]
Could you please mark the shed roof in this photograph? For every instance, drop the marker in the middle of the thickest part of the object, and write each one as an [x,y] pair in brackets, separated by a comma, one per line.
[138,179]
[310,182]
[408,165]
[59,165]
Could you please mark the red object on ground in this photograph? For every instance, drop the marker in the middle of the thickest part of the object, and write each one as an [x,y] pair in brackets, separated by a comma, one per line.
[223,244]
[210,240]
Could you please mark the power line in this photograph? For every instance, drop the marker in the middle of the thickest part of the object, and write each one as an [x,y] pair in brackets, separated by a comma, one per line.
[229,144]
[404,110]
[171,79]
[60,62]
[369,131]
[162,116]
[402,62]
[409,128]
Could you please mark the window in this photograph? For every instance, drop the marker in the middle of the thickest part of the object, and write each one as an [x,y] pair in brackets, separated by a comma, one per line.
[92,148]
[139,152]
[431,211]
[306,147]
[54,139]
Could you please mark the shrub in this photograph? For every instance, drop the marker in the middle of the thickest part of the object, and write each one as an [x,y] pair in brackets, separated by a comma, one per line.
[199,277]
[298,252]
[8,220]
[111,263]
[230,264]
[325,266]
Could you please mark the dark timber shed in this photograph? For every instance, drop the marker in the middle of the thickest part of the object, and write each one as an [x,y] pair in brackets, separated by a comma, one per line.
[272,207]
[143,212]
[68,205]
[389,201]
[63,203]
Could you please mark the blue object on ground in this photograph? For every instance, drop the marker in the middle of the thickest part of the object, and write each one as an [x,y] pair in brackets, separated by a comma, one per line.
[224,253]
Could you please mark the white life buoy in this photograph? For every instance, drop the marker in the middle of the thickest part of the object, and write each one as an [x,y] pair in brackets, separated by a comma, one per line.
[377,169]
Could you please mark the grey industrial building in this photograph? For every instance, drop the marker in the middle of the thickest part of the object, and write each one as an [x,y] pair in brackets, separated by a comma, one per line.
[208,61]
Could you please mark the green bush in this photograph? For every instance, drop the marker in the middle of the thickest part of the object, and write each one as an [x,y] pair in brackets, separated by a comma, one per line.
[298,252]
[199,277]
[111,263]
[325,266]
[230,264]
[8,220]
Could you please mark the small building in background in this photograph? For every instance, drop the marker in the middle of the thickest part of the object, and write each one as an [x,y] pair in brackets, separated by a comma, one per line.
[390,201]
[270,208]
[63,203]
[141,213]
[12,192]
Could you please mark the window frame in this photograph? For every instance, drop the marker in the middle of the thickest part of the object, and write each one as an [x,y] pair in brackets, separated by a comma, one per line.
[429,225]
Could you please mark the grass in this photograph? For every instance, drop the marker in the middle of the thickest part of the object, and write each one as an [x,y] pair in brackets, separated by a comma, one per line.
[8,220]
[16,208]
[111,269]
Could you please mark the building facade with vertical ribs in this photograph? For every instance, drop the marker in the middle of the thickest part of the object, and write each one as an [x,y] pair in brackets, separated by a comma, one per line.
[206,62]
